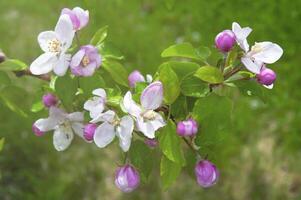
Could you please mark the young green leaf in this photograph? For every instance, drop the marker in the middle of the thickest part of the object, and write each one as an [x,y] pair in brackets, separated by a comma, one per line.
[169,172]
[13,65]
[185,50]
[117,72]
[4,79]
[194,87]
[37,106]
[2,140]
[203,52]
[210,74]
[171,84]
[140,156]
[170,144]
[99,36]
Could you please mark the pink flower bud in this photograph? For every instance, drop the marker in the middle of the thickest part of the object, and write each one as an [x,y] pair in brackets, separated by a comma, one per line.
[37,131]
[225,40]
[78,17]
[135,77]
[127,178]
[266,76]
[89,131]
[187,128]
[206,173]
[151,142]
[49,100]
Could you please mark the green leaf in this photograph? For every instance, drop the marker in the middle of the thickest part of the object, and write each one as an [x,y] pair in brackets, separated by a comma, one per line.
[171,84]
[2,140]
[185,50]
[210,74]
[99,36]
[179,108]
[203,52]
[169,172]
[88,84]
[37,106]
[117,72]
[140,156]
[109,51]
[66,88]
[251,88]
[13,65]
[4,79]
[113,96]
[213,113]
[194,87]
[170,143]
[11,97]
[182,69]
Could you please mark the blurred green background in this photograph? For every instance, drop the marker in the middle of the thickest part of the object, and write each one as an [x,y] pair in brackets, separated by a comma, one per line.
[259,159]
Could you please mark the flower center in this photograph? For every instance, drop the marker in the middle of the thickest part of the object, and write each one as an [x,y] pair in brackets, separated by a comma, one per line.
[149,114]
[115,122]
[54,46]
[85,61]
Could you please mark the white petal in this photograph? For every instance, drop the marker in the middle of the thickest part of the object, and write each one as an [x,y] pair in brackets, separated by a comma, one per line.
[130,106]
[43,64]
[64,30]
[78,129]
[152,96]
[61,67]
[241,35]
[269,86]
[76,117]
[149,78]
[56,117]
[145,127]
[95,106]
[124,132]
[158,122]
[104,135]
[77,58]
[250,65]
[108,116]
[62,137]
[270,52]
[100,92]
[44,39]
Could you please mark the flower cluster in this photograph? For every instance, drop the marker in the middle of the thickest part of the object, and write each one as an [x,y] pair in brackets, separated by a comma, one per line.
[145,107]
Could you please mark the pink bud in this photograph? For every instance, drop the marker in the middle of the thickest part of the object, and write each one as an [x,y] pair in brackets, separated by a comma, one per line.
[127,178]
[37,131]
[89,131]
[206,173]
[49,100]
[225,40]
[78,17]
[187,128]
[135,77]
[266,76]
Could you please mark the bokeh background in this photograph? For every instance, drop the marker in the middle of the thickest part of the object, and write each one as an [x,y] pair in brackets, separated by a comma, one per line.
[259,159]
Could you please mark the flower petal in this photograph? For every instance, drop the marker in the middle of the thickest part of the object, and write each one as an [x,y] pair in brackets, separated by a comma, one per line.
[241,35]
[158,122]
[250,65]
[82,15]
[130,106]
[95,106]
[78,129]
[100,92]
[76,117]
[64,30]
[56,117]
[61,67]
[270,52]
[62,137]
[104,135]
[44,39]
[77,58]
[43,64]
[152,96]
[104,117]
[145,127]
[124,132]
[269,86]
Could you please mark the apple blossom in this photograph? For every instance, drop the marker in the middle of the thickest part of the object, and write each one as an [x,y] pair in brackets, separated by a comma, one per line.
[78,17]
[241,35]
[85,61]
[136,77]
[55,45]
[127,178]
[89,131]
[266,77]
[37,131]
[225,40]
[49,100]
[96,105]
[113,126]
[206,173]
[187,128]
[147,120]
[64,126]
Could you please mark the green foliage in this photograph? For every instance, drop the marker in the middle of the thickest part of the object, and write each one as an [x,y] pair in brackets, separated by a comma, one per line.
[193,87]
[13,65]
[252,89]
[100,35]
[140,156]
[2,140]
[66,88]
[169,171]
[171,84]
[185,50]
[88,84]
[182,69]
[117,72]
[170,143]
[210,74]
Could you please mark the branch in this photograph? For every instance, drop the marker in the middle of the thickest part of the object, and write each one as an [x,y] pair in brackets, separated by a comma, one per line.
[26,72]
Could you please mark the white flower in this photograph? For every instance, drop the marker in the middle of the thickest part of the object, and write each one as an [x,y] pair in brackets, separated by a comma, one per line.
[147,120]
[54,44]
[241,35]
[261,53]
[113,126]
[64,126]
[96,105]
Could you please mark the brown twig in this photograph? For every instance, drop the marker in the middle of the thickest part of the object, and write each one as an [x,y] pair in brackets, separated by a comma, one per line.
[26,72]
